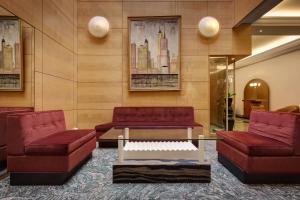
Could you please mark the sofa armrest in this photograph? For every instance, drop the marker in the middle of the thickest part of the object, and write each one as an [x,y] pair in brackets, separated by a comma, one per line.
[104,127]
[197,124]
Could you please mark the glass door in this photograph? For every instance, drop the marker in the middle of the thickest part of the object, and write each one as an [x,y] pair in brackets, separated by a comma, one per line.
[221,94]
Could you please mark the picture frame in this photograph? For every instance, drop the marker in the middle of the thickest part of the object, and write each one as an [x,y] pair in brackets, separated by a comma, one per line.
[154,53]
[11,54]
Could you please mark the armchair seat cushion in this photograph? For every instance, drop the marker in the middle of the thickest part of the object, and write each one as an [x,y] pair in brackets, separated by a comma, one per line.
[256,145]
[61,143]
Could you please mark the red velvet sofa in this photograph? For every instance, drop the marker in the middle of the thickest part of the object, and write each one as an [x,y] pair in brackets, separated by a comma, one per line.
[41,150]
[268,153]
[147,117]
[4,111]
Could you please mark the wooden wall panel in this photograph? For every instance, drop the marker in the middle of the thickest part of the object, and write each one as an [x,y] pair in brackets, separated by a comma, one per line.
[191,12]
[89,118]
[75,67]
[99,95]
[150,8]
[38,91]
[57,60]
[38,50]
[75,95]
[103,63]
[110,45]
[50,56]
[57,25]
[203,117]
[223,12]
[241,42]
[24,98]
[17,98]
[69,118]
[29,10]
[5,12]
[110,10]
[29,68]
[196,94]
[242,8]
[100,68]
[170,98]
[222,43]
[192,43]
[93,76]
[195,68]
[57,93]
[66,7]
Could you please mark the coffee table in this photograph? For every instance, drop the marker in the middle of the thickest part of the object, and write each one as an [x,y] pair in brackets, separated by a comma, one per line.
[160,155]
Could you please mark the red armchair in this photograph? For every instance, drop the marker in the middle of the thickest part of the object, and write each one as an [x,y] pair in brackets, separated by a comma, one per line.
[268,153]
[4,111]
[42,151]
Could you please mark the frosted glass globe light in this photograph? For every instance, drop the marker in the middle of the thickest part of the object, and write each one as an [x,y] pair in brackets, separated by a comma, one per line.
[98,26]
[209,26]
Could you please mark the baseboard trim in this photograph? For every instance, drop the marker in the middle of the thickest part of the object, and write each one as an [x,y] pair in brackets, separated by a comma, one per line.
[2,165]
[107,143]
[246,178]
[19,178]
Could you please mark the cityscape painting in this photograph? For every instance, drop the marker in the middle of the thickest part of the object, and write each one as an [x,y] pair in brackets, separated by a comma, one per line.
[11,70]
[154,53]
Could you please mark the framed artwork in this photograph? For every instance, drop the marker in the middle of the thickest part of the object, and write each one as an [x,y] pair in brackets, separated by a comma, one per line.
[154,53]
[11,65]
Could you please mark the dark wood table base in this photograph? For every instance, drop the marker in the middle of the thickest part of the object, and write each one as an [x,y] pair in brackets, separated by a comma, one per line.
[161,171]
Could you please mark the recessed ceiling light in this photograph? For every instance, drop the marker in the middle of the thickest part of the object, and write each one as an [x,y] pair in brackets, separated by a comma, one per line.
[276,43]
[260,30]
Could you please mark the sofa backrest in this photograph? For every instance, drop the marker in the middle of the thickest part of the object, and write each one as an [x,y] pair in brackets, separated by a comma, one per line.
[3,115]
[283,127]
[4,109]
[24,128]
[178,115]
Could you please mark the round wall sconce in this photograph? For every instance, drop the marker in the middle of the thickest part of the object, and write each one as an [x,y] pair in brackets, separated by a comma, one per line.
[209,26]
[98,26]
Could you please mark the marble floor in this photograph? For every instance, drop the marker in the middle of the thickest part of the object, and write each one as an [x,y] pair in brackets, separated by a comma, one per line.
[93,181]
[240,124]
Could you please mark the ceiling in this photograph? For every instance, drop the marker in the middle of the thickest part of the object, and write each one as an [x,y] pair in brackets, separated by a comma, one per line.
[275,27]
[287,8]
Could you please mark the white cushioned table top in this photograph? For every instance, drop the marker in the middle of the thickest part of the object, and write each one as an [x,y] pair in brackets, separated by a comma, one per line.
[160,146]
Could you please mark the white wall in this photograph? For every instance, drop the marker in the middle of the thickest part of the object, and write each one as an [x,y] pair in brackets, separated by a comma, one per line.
[281,73]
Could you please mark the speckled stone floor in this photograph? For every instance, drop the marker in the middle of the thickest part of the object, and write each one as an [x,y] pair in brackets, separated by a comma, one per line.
[93,181]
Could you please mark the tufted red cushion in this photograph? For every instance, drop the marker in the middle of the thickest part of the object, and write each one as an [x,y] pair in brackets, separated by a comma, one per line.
[283,127]
[154,114]
[61,143]
[255,145]
[157,125]
[4,112]
[29,127]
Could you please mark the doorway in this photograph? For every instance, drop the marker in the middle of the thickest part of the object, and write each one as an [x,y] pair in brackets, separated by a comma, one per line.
[221,93]
[256,96]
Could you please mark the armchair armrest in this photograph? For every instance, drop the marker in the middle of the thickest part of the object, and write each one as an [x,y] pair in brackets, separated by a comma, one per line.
[104,127]
[197,124]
